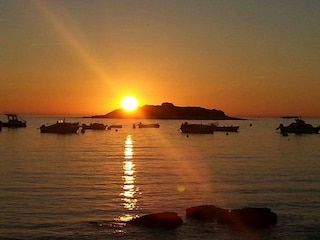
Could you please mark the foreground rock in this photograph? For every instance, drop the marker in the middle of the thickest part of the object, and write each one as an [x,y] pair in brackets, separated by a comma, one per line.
[248,217]
[205,212]
[158,220]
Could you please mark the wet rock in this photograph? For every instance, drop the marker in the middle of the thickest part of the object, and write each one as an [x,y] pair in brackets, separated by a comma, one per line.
[158,220]
[205,212]
[249,217]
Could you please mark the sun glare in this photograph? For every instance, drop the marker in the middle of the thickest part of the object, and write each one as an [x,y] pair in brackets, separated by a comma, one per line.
[129,103]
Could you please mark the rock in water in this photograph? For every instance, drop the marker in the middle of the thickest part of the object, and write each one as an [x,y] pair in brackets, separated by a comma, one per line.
[205,212]
[249,217]
[158,220]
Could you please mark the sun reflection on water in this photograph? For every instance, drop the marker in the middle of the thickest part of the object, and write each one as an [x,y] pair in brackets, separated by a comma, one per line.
[128,196]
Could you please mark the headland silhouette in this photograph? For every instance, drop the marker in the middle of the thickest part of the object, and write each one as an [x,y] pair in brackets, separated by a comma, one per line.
[168,111]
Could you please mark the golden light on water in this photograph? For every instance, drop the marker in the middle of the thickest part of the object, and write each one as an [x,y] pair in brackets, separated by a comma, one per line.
[129,189]
[128,179]
[181,189]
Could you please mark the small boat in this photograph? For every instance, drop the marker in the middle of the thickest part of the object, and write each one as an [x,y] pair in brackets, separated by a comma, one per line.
[114,126]
[196,128]
[288,117]
[299,127]
[60,127]
[150,125]
[14,122]
[218,128]
[94,126]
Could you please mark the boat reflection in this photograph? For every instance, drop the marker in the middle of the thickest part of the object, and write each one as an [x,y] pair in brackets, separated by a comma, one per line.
[129,189]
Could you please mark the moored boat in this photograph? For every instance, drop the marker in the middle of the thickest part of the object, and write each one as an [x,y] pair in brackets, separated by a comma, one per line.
[218,128]
[14,122]
[196,128]
[299,127]
[114,126]
[150,125]
[94,126]
[60,127]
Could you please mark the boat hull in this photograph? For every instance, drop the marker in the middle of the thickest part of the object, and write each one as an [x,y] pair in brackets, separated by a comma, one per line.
[206,129]
[61,128]
[300,130]
[114,126]
[14,124]
[226,129]
[152,125]
[94,126]
[196,128]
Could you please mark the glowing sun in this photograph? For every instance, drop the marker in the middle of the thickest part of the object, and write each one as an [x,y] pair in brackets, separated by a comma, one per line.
[129,103]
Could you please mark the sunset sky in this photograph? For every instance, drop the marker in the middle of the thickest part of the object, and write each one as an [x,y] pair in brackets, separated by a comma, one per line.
[246,58]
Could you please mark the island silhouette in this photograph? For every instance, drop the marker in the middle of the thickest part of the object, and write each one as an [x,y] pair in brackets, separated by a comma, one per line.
[168,111]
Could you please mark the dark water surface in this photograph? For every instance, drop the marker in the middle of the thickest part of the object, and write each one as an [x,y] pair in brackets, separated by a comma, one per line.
[83,186]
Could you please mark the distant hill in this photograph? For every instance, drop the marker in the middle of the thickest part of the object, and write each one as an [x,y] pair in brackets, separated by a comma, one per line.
[168,111]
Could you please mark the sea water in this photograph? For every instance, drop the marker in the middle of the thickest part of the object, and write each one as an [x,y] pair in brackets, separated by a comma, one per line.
[86,186]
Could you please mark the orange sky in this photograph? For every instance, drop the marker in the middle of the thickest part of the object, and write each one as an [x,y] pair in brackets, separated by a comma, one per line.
[246,58]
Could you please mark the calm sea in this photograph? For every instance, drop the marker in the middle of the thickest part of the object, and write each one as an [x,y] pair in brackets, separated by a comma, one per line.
[83,186]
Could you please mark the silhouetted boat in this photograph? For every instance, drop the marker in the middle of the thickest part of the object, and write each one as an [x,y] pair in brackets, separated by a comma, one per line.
[14,122]
[299,127]
[94,126]
[291,116]
[150,125]
[218,128]
[196,128]
[114,126]
[60,127]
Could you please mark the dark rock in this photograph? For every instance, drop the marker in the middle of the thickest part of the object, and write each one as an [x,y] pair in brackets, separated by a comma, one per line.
[158,220]
[205,212]
[249,217]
